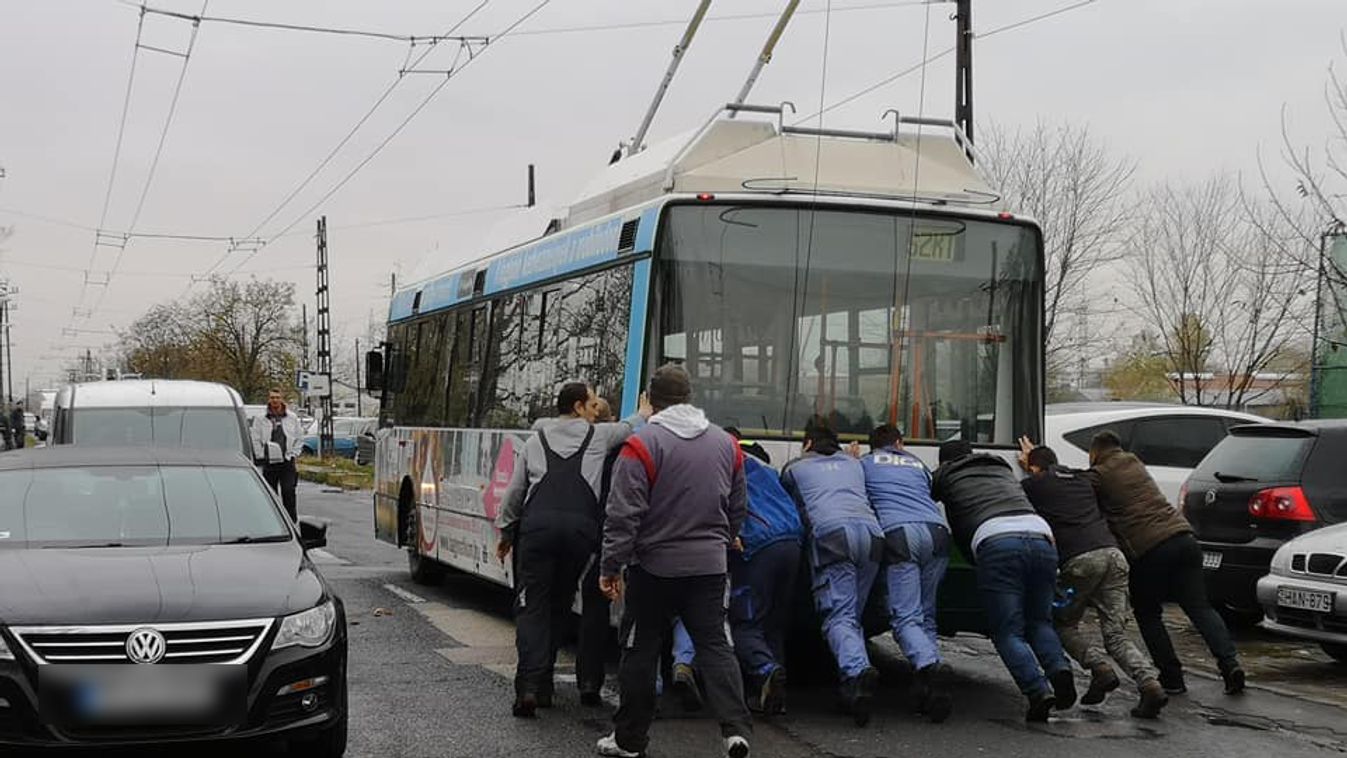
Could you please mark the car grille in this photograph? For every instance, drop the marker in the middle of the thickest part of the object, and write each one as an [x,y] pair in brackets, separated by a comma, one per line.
[208,642]
[1323,564]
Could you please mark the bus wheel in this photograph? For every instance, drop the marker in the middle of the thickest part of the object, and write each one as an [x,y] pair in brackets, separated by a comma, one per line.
[423,570]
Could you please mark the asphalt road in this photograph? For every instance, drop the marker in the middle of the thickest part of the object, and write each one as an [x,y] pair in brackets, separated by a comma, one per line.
[430,676]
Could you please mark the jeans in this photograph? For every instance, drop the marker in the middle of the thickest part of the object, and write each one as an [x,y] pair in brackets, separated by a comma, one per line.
[283,477]
[1099,579]
[913,584]
[761,597]
[548,566]
[1017,579]
[652,602]
[1172,570]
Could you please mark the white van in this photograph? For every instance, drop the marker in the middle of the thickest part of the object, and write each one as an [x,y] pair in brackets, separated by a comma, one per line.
[154,412]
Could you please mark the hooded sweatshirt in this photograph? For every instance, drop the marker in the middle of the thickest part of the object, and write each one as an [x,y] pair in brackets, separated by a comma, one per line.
[677,497]
[564,435]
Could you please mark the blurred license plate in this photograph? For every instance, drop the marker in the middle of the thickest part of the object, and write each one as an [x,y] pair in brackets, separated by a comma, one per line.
[131,695]
[1211,560]
[1305,600]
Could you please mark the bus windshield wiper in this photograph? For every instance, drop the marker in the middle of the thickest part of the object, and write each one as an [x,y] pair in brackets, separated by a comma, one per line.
[1232,478]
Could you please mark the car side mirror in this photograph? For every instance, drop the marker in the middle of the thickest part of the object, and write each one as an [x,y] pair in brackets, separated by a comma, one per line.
[274,453]
[374,371]
[312,533]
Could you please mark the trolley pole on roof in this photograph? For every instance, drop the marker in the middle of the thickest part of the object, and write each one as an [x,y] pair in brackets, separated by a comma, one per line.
[765,56]
[963,84]
[678,51]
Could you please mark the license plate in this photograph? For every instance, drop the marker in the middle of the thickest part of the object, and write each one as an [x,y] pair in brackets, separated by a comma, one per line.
[198,695]
[1211,561]
[1305,600]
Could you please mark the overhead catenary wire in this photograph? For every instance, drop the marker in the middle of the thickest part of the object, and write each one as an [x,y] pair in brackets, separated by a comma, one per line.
[202,18]
[398,130]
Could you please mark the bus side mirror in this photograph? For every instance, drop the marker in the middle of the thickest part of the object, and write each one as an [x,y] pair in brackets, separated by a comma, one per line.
[374,371]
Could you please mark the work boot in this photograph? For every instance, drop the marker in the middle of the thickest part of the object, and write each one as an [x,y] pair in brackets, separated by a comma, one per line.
[1063,688]
[525,705]
[1234,680]
[1040,707]
[608,746]
[736,747]
[772,696]
[1103,680]
[1173,683]
[935,701]
[859,694]
[591,697]
[685,685]
[1153,699]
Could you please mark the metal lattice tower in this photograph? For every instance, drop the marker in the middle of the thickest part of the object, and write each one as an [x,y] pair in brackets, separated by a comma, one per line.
[324,344]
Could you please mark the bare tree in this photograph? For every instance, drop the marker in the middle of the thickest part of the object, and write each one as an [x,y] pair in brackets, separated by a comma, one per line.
[1067,180]
[1219,286]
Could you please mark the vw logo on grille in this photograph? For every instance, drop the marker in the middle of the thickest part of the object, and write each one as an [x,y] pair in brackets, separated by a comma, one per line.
[145,646]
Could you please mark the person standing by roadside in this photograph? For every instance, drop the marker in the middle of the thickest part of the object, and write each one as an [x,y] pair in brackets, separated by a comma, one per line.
[595,610]
[678,500]
[1011,547]
[916,540]
[845,548]
[6,432]
[1166,562]
[281,426]
[18,427]
[1094,574]
[550,518]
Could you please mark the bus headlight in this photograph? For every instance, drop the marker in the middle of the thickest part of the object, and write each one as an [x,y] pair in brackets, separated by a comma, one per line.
[308,629]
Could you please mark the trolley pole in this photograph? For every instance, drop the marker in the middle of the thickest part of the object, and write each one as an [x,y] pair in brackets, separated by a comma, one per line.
[963,82]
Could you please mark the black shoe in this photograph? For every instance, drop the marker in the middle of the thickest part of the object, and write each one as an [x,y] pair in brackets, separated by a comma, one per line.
[685,686]
[772,695]
[1234,681]
[1153,700]
[935,701]
[863,695]
[591,698]
[1063,689]
[525,705]
[1040,707]
[1102,681]
[1173,684]
[544,699]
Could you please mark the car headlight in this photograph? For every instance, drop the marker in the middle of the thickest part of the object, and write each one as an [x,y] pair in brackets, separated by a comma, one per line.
[1281,560]
[5,653]
[308,629]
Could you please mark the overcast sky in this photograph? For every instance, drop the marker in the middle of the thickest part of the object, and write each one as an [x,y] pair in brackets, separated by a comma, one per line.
[1186,86]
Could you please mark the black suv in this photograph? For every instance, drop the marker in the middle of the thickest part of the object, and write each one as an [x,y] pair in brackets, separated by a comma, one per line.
[1260,487]
[179,561]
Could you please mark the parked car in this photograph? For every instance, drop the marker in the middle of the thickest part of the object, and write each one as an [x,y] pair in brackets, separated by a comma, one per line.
[1305,595]
[1169,439]
[346,434]
[184,562]
[1260,487]
[156,412]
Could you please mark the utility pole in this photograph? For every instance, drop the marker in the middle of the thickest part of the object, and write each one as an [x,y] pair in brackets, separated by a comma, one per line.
[963,74]
[4,330]
[358,389]
[324,344]
[9,351]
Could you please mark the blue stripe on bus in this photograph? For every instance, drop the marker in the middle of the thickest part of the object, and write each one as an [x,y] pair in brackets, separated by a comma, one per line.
[440,293]
[640,296]
[645,231]
[555,256]
[400,306]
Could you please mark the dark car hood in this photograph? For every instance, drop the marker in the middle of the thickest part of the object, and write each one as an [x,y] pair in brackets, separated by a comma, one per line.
[159,584]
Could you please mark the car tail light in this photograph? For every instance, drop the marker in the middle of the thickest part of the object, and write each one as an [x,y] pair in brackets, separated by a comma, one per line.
[1281,504]
[1183,498]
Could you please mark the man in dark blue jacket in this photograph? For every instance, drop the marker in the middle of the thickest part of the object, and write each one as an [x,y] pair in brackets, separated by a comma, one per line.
[845,549]
[916,540]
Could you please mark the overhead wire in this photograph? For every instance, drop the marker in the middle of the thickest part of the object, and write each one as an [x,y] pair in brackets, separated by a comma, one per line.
[327,159]
[398,130]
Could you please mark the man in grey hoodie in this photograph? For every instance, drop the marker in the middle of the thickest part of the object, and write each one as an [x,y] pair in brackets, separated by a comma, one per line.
[550,517]
[677,501]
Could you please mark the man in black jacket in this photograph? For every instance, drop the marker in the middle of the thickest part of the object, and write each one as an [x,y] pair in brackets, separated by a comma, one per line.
[1012,549]
[1093,575]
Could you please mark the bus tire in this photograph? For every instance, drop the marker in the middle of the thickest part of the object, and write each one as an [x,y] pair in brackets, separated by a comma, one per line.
[423,570]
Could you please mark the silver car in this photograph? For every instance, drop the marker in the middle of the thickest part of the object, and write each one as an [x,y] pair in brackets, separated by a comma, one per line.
[1305,596]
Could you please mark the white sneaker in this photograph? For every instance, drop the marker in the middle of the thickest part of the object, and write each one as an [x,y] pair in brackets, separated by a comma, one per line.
[736,747]
[608,746]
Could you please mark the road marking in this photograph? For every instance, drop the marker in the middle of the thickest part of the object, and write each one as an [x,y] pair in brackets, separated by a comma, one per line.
[410,597]
[468,627]
[324,558]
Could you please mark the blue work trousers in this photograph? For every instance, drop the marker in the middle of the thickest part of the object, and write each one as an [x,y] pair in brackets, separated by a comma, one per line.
[919,556]
[841,587]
